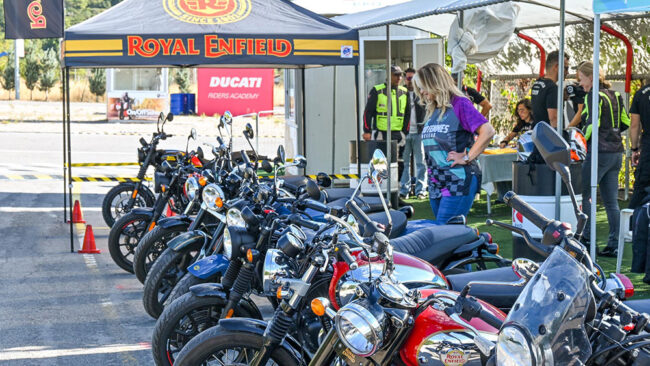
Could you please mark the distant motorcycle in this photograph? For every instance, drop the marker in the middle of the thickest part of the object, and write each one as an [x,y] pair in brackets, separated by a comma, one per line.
[124,106]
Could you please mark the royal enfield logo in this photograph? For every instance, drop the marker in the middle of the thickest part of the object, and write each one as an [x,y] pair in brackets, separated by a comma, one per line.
[208,11]
[454,357]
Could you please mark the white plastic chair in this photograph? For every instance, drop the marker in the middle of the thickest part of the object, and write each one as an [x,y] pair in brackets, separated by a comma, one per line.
[624,234]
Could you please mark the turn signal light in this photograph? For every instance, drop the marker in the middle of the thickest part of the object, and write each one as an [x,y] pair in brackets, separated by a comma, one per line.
[203,181]
[279,294]
[249,255]
[163,188]
[153,225]
[317,307]
[218,202]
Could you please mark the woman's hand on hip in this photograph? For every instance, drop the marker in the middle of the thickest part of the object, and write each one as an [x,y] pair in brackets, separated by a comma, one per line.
[457,158]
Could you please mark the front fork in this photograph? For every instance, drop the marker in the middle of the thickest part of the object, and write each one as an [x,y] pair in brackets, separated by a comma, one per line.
[141,174]
[239,288]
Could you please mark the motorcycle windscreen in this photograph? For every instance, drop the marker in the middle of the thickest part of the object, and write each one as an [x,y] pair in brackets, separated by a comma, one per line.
[552,310]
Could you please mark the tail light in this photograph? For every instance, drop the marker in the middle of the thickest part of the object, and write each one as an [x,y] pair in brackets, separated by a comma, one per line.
[626,284]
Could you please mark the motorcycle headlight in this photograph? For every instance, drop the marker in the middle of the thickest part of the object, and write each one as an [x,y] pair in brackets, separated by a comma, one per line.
[274,266]
[235,218]
[514,348]
[359,329]
[227,243]
[213,197]
[191,187]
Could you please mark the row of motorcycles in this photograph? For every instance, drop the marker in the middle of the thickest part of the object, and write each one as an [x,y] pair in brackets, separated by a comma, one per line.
[351,281]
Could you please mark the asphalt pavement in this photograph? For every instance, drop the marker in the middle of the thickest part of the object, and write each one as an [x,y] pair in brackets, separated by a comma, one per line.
[58,307]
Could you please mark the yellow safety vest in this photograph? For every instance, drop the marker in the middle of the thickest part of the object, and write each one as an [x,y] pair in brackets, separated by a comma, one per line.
[397,111]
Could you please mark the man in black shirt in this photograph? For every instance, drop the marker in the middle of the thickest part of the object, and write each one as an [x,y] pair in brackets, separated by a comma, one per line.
[544,90]
[640,142]
[476,97]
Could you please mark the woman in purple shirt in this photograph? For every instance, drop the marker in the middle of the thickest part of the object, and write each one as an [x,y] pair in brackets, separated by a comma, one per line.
[449,144]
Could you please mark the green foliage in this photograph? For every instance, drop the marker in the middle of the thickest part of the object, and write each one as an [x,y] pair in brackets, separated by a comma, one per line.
[79,10]
[182,78]
[8,78]
[97,82]
[31,67]
[49,71]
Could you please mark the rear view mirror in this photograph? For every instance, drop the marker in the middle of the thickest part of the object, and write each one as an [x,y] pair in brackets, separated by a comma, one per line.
[553,148]
[170,117]
[524,268]
[266,166]
[193,134]
[281,155]
[378,166]
[312,190]
[248,131]
[324,180]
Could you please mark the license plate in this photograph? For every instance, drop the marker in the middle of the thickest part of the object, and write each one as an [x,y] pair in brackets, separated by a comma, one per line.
[348,356]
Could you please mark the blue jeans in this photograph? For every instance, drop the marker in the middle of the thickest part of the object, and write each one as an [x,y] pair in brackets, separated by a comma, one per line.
[444,208]
[413,146]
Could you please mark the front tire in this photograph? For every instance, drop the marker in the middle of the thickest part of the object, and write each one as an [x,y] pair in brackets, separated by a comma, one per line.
[163,276]
[184,319]
[221,346]
[187,281]
[124,238]
[150,247]
[115,203]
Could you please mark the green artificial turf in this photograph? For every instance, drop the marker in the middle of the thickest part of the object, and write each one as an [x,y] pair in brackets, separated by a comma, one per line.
[501,212]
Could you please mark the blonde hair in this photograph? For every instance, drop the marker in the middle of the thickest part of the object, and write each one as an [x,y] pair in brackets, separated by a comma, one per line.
[587,69]
[436,81]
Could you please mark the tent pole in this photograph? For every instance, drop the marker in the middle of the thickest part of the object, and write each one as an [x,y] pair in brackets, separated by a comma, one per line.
[389,104]
[594,137]
[560,106]
[461,74]
[333,120]
[65,158]
[302,102]
[356,95]
[67,116]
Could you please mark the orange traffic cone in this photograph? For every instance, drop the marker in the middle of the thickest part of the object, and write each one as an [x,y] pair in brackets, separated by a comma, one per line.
[89,242]
[169,212]
[77,216]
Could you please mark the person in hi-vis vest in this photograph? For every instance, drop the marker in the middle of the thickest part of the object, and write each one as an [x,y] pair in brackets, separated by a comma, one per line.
[375,120]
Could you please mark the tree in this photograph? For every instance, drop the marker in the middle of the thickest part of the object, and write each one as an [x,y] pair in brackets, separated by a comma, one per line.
[49,71]
[182,78]
[31,68]
[97,82]
[8,74]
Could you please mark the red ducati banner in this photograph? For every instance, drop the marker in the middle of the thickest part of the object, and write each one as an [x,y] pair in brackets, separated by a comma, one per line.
[33,19]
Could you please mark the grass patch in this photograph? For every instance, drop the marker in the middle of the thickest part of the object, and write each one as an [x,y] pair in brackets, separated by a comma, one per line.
[501,212]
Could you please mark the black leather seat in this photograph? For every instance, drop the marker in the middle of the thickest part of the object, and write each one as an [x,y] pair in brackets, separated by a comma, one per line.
[399,221]
[333,194]
[366,204]
[436,243]
[642,306]
[503,297]
[293,182]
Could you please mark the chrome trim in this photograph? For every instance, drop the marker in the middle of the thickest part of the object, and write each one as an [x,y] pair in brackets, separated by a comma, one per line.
[374,327]
[272,270]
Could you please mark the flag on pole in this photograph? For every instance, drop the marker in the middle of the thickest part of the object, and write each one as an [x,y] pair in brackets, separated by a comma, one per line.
[26,19]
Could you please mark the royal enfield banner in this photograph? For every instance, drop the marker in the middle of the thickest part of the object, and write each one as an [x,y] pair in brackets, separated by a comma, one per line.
[252,33]
[240,91]
[25,19]
[136,105]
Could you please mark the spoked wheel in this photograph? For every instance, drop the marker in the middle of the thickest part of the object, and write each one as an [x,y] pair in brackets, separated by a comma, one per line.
[116,202]
[151,247]
[124,238]
[217,346]
[170,267]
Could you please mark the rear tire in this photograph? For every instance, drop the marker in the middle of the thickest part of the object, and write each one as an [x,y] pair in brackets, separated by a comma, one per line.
[182,320]
[124,238]
[211,345]
[116,200]
[163,276]
[150,247]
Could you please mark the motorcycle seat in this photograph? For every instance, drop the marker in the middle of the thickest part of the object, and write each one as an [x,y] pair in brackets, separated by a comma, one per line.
[642,306]
[366,204]
[333,194]
[436,243]
[501,296]
[399,221]
[294,182]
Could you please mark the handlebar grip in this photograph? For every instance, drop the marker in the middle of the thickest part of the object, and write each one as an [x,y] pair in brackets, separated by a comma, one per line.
[358,213]
[297,220]
[512,200]
[348,258]
[490,319]
[143,142]
[316,206]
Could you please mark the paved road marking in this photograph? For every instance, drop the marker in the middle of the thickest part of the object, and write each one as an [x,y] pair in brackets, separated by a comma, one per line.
[45,209]
[25,353]
[90,260]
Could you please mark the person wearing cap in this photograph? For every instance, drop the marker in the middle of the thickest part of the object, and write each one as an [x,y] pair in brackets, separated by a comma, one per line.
[475,96]
[375,116]
[413,144]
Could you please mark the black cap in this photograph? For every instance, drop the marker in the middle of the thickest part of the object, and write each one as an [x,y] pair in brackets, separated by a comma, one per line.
[396,70]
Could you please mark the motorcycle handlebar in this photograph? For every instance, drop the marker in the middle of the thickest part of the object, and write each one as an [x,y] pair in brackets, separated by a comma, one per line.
[358,213]
[316,206]
[348,258]
[490,319]
[512,200]
[298,220]
[143,142]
